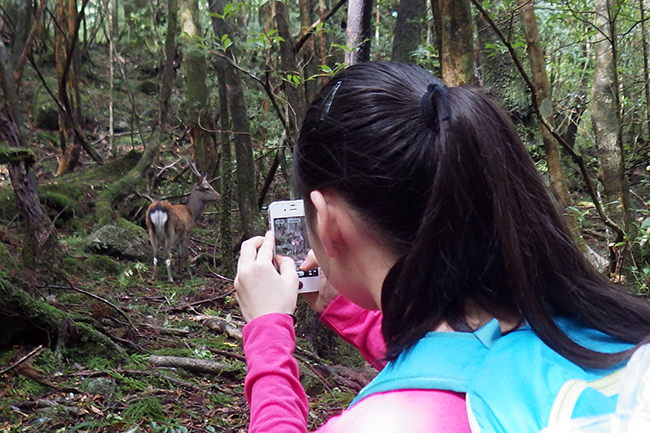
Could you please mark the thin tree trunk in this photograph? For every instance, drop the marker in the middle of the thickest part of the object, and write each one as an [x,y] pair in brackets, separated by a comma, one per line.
[168,67]
[225,211]
[22,26]
[606,123]
[605,113]
[543,90]
[200,121]
[111,74]
[20,62]
[295,91]
[252,222]
[409,25]
[455,31]
[115,23]
[321,47]
[359,31]
[68,20]
[646,63]
[60,58]
[307,53]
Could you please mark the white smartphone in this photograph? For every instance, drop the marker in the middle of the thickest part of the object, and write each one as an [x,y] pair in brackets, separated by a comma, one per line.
[287,219]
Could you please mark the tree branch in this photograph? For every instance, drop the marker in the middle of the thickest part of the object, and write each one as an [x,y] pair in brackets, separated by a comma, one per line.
[265,85]
[311,28]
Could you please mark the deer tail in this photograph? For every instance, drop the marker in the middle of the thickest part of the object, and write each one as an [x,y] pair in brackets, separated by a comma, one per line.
[159,215]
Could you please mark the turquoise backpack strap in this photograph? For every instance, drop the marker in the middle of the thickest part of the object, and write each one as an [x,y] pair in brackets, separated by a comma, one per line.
[440,360]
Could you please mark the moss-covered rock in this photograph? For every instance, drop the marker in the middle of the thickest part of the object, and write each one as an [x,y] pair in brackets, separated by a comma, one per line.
[56,202]
[57,329]
[128,225]
[118,242]
[103,265]
[7,261]
[46,116]
[148,87]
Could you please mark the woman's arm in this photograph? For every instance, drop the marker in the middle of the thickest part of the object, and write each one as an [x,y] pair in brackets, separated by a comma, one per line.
[359,327]
[277,400]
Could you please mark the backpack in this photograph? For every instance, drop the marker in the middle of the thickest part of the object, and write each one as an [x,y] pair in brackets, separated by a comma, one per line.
[513,383]
[632,414]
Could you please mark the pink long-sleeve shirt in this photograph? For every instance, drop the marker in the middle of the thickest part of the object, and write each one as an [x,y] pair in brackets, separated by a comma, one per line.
[278,402]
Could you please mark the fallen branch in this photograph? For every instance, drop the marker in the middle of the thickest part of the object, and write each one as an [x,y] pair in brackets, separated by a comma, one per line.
[189,364]
[23,359]
[227,354]
[168,331]
[192,304]
[136,372]
[216,324]
[92,295]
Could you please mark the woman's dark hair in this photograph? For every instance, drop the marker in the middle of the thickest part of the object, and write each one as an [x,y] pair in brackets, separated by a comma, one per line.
[443,178]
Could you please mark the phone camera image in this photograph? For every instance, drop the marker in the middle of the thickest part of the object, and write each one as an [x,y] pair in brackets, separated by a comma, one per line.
[291,240]
[289,226]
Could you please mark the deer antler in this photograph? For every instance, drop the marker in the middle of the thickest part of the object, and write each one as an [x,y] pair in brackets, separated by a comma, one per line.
[195,170]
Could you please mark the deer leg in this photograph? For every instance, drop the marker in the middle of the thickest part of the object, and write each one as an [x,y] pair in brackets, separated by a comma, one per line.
[154,245]
[168,256]
[184,254]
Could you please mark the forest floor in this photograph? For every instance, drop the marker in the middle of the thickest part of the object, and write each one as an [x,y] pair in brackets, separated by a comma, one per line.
[194,326]
[182,366]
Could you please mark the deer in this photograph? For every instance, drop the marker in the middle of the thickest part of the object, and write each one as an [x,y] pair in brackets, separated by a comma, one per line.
[171,224]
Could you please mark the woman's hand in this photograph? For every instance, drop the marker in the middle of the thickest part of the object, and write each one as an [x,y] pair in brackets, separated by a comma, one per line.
[318,301]
[260,288]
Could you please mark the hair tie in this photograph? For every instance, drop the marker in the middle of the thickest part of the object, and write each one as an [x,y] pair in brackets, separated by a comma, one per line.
[327,103]
[429,107]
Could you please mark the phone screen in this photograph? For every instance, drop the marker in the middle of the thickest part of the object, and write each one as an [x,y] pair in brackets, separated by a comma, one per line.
[291,240]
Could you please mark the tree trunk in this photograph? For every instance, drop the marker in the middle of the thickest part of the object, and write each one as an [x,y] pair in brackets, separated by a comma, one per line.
[40,244]
[455,31]
[225,210]
[605,116]
[606,123]
[196,70]
[407,35]
[66,17]
[307,53]
[168,68]
[252,222]
[227,187]
[543,91]
[646,64]
[359,31]
[112,58]
[323,41]
[60,58]
[22,26]
[294,91]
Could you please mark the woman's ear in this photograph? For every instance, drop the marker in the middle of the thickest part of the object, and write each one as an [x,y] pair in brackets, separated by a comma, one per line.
[327,207]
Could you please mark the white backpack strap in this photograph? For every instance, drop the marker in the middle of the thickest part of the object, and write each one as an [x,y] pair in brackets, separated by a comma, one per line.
[473,423]
[568,395]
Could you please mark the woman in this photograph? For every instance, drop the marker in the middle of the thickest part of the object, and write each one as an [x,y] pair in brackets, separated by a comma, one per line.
[424,204]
